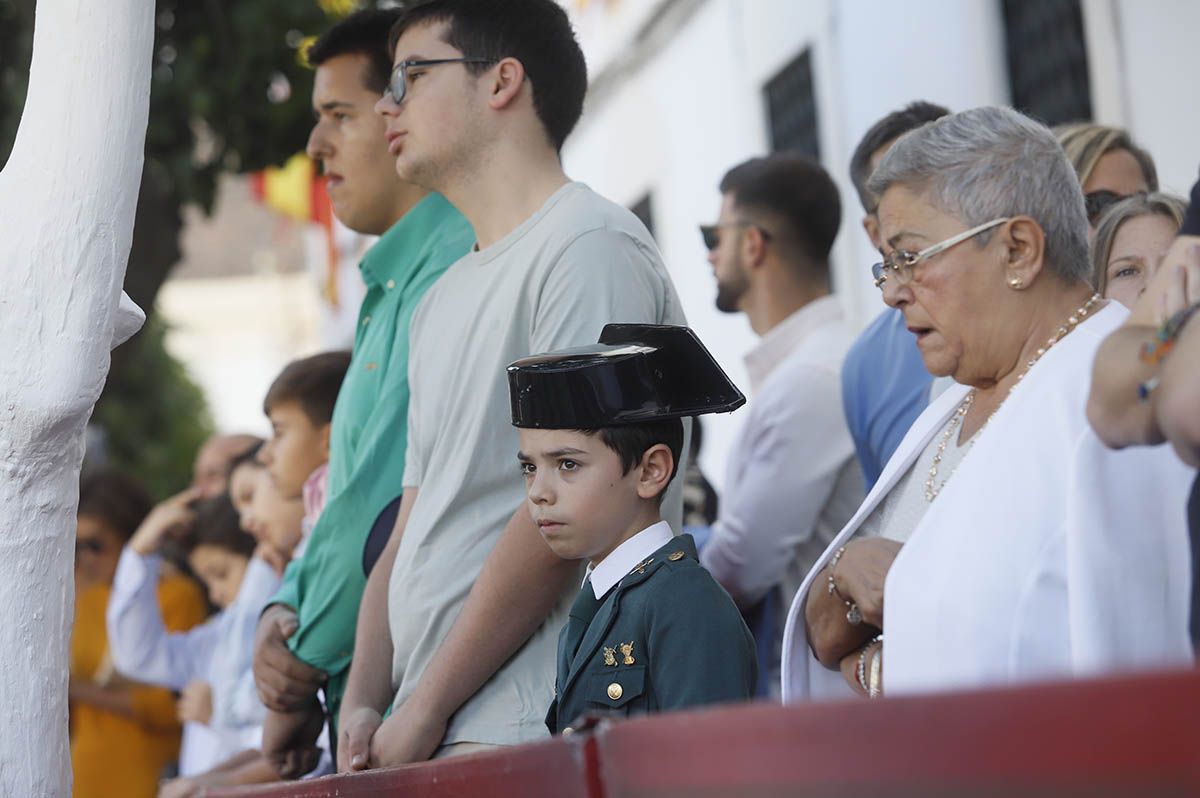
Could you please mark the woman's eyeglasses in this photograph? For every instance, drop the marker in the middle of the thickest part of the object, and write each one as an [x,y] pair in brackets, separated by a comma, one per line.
[901,263]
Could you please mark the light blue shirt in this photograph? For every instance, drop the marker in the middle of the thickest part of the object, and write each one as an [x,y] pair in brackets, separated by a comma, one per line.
[218,651]
[885,386]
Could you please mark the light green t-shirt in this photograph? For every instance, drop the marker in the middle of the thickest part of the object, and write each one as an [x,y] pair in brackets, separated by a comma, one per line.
[577,264]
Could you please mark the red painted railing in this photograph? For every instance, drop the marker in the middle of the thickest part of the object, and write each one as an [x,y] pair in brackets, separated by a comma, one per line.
[1117,737]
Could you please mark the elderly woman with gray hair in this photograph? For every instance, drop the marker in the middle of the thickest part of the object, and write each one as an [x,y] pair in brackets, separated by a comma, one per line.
[1005,541]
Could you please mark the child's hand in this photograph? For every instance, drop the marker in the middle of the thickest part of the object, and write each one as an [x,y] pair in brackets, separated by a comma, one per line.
[195,703]
[171,514]
[272,557]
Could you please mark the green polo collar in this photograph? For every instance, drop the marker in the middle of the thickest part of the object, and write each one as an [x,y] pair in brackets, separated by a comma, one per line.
[386,260]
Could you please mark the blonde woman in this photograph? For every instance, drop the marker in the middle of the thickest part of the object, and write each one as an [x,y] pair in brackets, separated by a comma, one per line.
[1130,241]
[1106,159]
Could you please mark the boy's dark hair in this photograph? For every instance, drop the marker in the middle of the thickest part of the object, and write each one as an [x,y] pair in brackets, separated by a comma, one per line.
[362,33]
[630,442]
[116,499]
[888,129]
[217,524]
[797,192]
[535,32]
[313,383]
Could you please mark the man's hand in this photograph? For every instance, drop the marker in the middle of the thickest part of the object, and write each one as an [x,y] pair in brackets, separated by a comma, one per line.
[290,739]
[195,702]
[357,729]
[408,735]
[285,684]
[167,517]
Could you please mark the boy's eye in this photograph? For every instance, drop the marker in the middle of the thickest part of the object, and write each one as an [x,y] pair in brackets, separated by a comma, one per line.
[568,465]
[528,469]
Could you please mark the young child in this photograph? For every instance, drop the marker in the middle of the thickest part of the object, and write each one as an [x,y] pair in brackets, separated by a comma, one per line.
[275,522]
[210,663]
[300,404]
[600,433]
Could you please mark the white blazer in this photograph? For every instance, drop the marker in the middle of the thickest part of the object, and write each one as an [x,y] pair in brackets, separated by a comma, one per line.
[1046,555]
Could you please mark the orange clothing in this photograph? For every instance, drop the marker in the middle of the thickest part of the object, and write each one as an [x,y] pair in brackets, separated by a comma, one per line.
[112,754]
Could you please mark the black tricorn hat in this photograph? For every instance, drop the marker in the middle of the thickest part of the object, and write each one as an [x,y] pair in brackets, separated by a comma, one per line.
[636,373]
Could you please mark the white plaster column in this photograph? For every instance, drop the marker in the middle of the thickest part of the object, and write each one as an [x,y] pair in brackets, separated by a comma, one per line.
[67,198]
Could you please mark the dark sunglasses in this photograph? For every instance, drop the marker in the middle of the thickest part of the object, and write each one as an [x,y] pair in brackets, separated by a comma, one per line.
[712,232]
[1097,202]
[398,85]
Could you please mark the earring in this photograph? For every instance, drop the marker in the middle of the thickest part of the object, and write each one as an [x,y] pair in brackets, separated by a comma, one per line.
[1016,283]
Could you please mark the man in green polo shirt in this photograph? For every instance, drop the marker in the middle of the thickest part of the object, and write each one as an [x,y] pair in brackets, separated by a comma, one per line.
[306,637]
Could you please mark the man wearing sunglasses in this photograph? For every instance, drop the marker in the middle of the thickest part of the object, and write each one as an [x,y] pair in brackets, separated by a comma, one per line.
[791,482]
[457,629]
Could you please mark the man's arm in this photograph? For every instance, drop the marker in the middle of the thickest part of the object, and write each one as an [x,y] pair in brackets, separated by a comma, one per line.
[1179,395]
[369,687]
[797,447]
[521,582]
[1117,413]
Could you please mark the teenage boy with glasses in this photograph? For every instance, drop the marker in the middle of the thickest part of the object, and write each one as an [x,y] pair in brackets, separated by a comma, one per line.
[457,626]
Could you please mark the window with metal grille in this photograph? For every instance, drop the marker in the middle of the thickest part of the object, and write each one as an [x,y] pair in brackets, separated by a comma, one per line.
[644,210]
[1047,59]
[792,108]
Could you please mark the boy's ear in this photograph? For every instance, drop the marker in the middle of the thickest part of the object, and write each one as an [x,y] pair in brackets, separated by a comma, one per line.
[326,434]
[656,467]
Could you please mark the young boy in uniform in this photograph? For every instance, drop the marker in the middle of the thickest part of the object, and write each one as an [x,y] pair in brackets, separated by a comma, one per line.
[600,431]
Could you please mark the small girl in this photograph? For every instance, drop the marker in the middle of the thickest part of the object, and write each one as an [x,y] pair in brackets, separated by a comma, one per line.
[210,664]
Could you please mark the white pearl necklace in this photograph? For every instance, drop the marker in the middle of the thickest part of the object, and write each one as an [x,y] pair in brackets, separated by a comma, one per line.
[932,489]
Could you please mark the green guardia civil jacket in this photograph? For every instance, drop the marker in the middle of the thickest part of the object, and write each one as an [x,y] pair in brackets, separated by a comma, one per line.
[667,636]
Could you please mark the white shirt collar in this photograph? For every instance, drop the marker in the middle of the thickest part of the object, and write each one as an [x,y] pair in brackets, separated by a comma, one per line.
[784,337]
[627,556]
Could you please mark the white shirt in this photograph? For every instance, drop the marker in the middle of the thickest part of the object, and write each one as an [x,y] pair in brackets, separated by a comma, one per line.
[1046,555]
[218,651]
[624,558]
[792,480]
[555,281]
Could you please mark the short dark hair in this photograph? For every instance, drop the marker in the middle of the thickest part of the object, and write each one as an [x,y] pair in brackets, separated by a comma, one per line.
[888,129]
[631,441]
[116,499]
[313,383]
[797,192]
[537,33]
[218,524]
[362,33]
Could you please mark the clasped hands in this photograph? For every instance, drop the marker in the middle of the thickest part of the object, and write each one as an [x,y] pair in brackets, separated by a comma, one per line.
[860,576]
[367,740]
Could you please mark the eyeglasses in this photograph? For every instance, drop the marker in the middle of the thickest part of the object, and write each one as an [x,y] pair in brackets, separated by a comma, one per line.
[1097,202]
[712,232]
[398,85]
[901,263]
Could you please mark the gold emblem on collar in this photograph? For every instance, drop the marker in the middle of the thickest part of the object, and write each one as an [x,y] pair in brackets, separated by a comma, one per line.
[641,567]
[676,556]
[610,656]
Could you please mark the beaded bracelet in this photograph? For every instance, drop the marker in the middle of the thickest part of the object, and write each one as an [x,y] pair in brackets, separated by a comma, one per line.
[1168,334]
[853,615]
[860,670]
